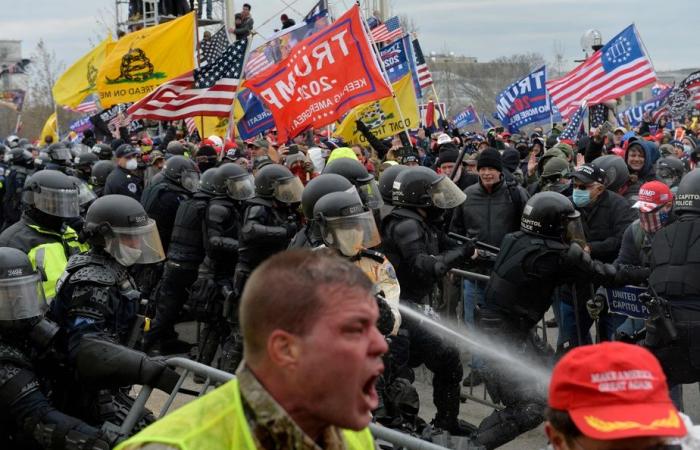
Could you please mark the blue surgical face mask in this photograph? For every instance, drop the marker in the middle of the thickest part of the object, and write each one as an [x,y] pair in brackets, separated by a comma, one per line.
[687,149]
[581,197]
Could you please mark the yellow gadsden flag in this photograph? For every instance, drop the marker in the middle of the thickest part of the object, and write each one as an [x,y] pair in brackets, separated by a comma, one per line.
[144,59]
[80,79]
[208,126]
[50,129]
[381,116]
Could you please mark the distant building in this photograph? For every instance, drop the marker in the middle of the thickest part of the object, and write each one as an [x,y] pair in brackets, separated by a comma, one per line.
[10,60]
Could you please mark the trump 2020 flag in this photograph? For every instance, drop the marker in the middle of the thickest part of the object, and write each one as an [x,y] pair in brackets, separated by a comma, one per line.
[621,67]
[635,114]
[524,102]
[324,76]
[395,59]
[251,116]
[466,117]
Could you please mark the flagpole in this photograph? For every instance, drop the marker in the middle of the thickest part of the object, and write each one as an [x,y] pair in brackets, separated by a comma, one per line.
[19,120]
[375,48]
[58,130]
[238,89]
[199,63]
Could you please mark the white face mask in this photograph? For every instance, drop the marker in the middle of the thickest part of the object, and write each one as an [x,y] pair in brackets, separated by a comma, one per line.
[127,255]
[131,164]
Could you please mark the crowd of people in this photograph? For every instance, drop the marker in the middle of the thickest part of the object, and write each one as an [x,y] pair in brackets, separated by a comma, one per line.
[288,254]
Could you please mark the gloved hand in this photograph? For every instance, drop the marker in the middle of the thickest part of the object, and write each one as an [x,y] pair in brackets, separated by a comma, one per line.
[595,306]
[577,257]
[291,229]
[604,274]
[385,324]
[154,372]
[631,275]
[361,126]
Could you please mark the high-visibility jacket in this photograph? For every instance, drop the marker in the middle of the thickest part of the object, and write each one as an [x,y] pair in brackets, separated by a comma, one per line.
[216,422]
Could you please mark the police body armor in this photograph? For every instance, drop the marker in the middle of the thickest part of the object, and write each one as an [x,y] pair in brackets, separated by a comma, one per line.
[515,287]
[402,228]
[97,288]
[187,239]
[221,236]
[12,199]
[675,262]
[162,209]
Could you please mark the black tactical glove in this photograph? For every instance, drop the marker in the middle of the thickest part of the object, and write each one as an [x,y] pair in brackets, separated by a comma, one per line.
[291,228]
[595,306]
[604,274]
[577,257]
[385,323]
[452,258]
[631,275]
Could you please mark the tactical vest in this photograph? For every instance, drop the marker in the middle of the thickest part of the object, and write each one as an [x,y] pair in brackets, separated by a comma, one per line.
[675,260]
[515,288]
[187,240]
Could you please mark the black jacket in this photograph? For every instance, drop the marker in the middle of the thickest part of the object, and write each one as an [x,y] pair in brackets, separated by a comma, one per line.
[604,223]
[122,181]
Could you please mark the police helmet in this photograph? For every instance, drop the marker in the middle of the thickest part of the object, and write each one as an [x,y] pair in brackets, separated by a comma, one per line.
[669,170]
[175,148]
[274,181]
[85,160]
[320,186]
[53,193]
[552,215]
[20,157]
[100,172]
[616,171]
[22,296]
[421,187]
[12,141]
[59,154]
[85,195]
[386,181]
[356,173]
[207,182]
[234,181]
[182,171]
[120,225]
[345,223]
[687,199]
[103,151]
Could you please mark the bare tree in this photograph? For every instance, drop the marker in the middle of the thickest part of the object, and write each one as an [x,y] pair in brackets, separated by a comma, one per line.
[43,73]
[558,60]
[408,24]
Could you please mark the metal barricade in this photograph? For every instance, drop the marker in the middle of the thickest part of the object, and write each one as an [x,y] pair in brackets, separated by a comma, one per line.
[215,377]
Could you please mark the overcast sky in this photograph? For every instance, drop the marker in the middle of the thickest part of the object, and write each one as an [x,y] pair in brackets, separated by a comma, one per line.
[485,29]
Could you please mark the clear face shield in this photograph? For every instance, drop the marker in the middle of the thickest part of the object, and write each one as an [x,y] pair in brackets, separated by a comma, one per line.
[350,234]
[667,176]
[138,245]
[85,195]
[61,154]
[445,194]
[288,190]
[22,298]
[241,187]
[58,202]
[370,195]
[574,230]
[189,180]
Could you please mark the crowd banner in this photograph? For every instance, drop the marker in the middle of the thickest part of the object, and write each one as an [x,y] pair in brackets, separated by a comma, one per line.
[524,102]
[80,79]
[144,59]
[636,113]
[326,75]
[251,115]
[382,117]
[466,117]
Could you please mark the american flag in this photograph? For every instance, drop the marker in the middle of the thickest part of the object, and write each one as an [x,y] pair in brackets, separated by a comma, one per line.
[257,63]
[191,125]
[425,79]
[598,114]
[619,68]
[213,48]
[207,91]
[658,87]
[572,129]
[388,31]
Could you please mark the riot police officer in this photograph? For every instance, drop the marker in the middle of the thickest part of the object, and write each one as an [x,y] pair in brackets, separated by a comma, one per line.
[98,178]
[124,180]
[309,234]
[669,171]
[21,167]
[103,151]
[60,158]
[358,175]
[28,418]
[161,200]
[97,305]
[546,252]
[675,284]
[83,164]
[386,184]
[212,292]
[50,199]
[422,254]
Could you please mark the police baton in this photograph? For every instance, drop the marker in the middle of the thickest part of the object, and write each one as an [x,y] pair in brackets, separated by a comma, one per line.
[470,275]
[482,245]
[458,163]
[577,315]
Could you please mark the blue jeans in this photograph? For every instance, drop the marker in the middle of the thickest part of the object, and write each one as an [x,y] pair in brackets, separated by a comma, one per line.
[472,294]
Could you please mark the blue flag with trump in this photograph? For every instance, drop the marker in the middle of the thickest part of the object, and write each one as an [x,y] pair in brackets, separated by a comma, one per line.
[255,117]
[395,59]
[524,102]
[466,117]
[636,113]
[486,123]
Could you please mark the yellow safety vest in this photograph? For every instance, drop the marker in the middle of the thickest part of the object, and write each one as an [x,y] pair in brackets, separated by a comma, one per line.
[216,422]
[52,256]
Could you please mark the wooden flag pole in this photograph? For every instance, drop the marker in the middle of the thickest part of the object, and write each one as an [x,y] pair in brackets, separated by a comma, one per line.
[238,89]
[432,86]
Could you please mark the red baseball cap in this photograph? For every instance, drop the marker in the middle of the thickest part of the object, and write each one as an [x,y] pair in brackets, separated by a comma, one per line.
[652,195]
[614,391]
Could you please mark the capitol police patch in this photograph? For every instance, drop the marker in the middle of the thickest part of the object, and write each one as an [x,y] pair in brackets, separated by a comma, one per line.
[132,187]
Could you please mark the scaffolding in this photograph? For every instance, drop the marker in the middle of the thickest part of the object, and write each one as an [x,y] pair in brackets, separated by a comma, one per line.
[136,14]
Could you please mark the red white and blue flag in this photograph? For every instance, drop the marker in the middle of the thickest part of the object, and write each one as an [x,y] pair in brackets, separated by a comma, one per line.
[422,72]
[387,31]
[620,67]
[572,130]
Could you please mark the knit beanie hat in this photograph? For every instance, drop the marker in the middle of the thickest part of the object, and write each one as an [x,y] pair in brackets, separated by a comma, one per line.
[490,157]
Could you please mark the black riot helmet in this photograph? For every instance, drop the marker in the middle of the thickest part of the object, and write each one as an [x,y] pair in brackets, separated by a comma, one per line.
[120,225]
[552,215]
[364,181]
[345,223]
[421,187]
[103,151]
[83,164]
[20,157]
[100,172]
[207,182]
[21,294]
[175,148]
[182,171]
[616,171]
[386,181]
[669,171]
[234,181]
[687,199]
[275,181]
[60,154]
[53,193]
[320,186]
